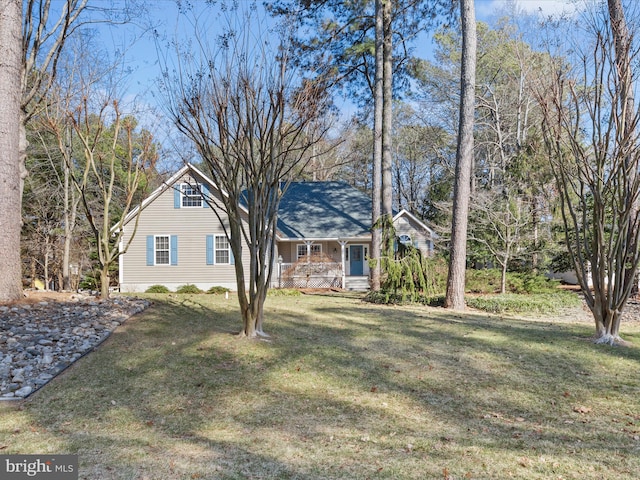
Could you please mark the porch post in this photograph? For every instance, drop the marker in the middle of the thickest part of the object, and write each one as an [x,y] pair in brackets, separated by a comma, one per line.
[308,243]
[343,245]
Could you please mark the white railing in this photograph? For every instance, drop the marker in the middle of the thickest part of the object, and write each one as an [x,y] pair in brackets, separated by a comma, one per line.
[310,275]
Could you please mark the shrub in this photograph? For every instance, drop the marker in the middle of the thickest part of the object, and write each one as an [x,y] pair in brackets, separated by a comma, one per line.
[157,289]
[530,283]
[487,280]
[388,298]
[545,303]
[217,290]
[188,289]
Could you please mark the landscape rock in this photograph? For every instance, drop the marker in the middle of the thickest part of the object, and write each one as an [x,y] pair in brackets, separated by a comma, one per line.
[38,341]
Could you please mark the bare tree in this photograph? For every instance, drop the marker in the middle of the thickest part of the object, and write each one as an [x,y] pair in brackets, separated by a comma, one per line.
[501,223]
[82,66]
[110,175]
[10,190]
[464,160]
[249,115]
[591,132]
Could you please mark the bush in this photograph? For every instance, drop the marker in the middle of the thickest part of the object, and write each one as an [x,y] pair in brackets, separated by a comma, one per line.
[531,283]
[217,290]
[188,289]
[157,289]
[545,303]
[388,298]
[487,281]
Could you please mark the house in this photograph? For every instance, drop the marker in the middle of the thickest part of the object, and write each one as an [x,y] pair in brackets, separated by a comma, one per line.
[322,237]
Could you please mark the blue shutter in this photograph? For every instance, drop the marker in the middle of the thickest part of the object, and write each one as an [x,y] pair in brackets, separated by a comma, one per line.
[209,249]
[176,197]
[205,195]
[231,259]
[174,250]
[150,246]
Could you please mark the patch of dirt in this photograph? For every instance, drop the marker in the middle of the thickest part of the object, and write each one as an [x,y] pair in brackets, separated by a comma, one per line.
[31,297]
[630,314]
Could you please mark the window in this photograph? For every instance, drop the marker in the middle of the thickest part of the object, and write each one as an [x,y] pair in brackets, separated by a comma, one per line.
[405,239]
[162,252]
[191,196]
[314,250]
[221,250]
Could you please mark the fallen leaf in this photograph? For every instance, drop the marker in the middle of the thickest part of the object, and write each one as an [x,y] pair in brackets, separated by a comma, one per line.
[374,389]
[581,409]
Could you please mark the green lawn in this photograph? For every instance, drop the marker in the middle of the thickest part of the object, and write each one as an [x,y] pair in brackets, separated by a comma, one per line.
[343,389]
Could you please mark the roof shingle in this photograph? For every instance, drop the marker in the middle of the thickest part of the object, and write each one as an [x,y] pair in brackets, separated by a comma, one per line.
[315,210]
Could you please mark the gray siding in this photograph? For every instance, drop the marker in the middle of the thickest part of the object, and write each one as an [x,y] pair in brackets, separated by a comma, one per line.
[404,226]
[191,225]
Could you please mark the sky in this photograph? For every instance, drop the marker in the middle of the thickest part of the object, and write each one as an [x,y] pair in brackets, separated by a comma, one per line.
[486,8]
[142,56]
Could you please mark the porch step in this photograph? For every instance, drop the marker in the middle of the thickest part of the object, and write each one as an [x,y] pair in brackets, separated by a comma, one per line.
[360,284]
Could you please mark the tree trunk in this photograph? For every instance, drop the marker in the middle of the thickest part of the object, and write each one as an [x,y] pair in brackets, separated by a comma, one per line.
[387,113]
[376,234]
[607,323]
[47,254]
[34,273]
[66,253]
[10,171]
[464,160]
[105,279]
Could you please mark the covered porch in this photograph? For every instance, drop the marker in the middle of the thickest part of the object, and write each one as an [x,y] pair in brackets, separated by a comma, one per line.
[322,263]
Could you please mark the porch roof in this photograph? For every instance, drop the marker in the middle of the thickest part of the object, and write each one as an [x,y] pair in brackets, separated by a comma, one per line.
[312,210]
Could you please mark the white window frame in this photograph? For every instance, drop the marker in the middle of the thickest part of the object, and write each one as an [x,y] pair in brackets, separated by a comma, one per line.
[157,250]
[221,250]
[314,249]
[190,194]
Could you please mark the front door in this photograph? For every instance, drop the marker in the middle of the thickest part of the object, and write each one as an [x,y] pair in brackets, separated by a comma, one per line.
[356,261]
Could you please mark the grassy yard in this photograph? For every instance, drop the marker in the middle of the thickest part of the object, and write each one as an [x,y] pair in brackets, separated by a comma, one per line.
[343,390]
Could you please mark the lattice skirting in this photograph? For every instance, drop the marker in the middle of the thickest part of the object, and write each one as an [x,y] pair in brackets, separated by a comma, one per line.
[311,282]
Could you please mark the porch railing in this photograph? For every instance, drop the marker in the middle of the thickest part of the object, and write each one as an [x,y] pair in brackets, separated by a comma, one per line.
[310,275]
